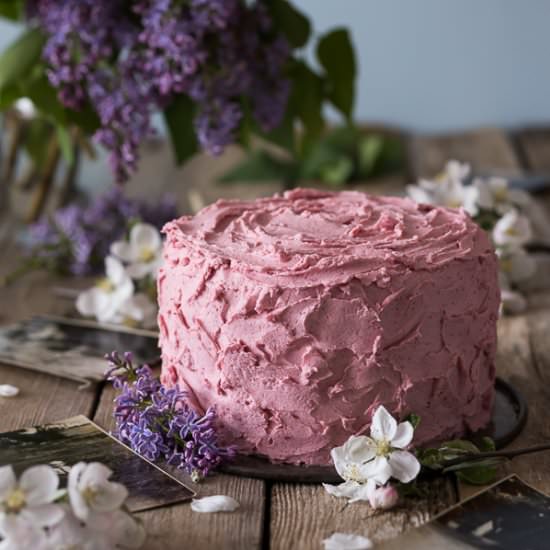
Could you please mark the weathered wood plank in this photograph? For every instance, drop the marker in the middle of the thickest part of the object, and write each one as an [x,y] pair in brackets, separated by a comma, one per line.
[486,150]
[534,146]
[303,515]
[177,527]
[523,361]
[42,398]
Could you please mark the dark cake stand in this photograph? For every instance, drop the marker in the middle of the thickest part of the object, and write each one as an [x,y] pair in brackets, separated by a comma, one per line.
[509,416]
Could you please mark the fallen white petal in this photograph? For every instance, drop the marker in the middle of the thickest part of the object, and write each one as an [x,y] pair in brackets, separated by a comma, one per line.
[215,503]
[350,489]
[7,390]
[347,541]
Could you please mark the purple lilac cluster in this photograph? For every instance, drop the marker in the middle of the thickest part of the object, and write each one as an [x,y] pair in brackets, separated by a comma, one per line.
[158,423]
[129,59]
[76,239]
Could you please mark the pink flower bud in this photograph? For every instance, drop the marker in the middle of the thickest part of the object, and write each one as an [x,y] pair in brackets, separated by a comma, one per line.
[383,498]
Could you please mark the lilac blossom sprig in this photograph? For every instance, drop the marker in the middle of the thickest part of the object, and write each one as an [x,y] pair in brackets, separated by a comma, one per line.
[158,423]
[76,239]
[129,59]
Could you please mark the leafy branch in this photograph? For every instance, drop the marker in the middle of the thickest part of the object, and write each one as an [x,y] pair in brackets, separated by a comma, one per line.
[473,464]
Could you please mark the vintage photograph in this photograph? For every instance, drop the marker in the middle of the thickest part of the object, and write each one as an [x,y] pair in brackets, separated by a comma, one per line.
[507,516]
[77,439]
[72,348]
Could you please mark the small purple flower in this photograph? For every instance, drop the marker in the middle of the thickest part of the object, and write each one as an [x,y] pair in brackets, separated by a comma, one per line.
[145,441]
[157,422]
[76,239]
[128,60]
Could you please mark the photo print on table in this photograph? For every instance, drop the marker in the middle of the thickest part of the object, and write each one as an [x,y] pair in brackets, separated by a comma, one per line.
[72,348]
[509,515]
[78,439]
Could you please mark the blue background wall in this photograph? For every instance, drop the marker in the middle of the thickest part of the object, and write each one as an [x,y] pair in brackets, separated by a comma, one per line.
[433,65]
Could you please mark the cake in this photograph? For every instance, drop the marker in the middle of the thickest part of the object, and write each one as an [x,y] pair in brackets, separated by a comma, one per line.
[296,316]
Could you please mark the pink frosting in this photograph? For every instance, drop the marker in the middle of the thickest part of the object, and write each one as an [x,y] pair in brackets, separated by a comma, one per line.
[296,316]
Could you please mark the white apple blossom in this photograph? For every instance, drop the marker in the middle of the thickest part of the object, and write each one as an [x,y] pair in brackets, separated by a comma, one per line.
[455,170]
[92,518]
[142,252]
[496,194]
[513,230]
[104,300]
[90,490]
[347,541]
[387,441]
[27,505]
[350,461]
[376,458]
[31,537]
[72,533]
[117,530]
[214,503]
[102,531]
[448,189]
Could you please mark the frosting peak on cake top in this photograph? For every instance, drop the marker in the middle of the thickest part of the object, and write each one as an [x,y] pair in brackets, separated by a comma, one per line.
[330,236]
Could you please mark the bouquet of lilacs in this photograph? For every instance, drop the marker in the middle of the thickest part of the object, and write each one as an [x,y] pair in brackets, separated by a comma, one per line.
[219,70]
[76,239]
[90,514]
[503,212]
[127,294]
[158,423]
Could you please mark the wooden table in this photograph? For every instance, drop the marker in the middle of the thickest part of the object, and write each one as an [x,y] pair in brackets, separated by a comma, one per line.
[281,515]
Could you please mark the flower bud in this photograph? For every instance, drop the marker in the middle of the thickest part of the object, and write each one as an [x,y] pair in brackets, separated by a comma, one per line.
[384,497]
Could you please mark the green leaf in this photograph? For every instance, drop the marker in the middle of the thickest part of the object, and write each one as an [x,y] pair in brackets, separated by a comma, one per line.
[487,445]
[37,137]
[430,458]
[336,56]
[370,150]
[260,166]
[337,172]
[414,419]
[44,96]
[179,117]
[480,463]
[343,139]
[318,156]
[65,143]
[18,59]
[283,135]
[86,118]
[307,99]
[458,447]
[11,9]
[8,96]
[293,23]
[477,475]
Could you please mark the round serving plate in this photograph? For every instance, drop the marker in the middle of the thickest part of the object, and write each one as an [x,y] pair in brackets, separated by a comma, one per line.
[509,416]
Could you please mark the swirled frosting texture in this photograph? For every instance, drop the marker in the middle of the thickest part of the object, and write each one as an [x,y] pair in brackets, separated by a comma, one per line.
[296,316]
